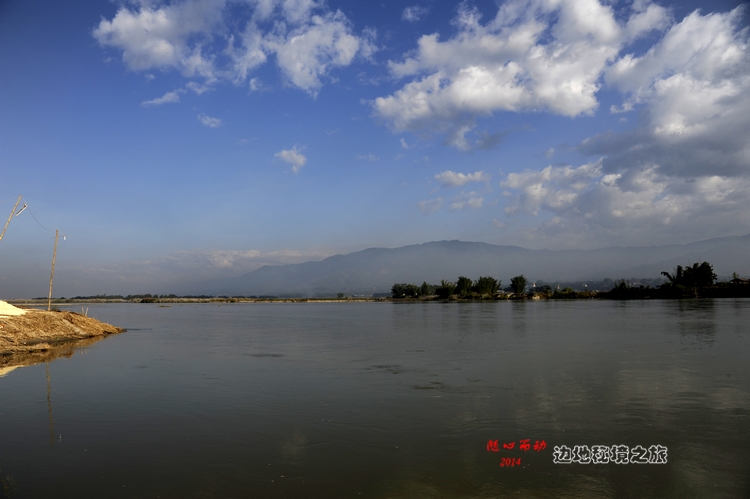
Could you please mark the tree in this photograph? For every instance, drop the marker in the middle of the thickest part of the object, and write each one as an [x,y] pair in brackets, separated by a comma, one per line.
[340,296]
[486,285]
[518,284]
[463,286]
[426,289]
[697,276]
[703,275]
[446,289]
[404,290]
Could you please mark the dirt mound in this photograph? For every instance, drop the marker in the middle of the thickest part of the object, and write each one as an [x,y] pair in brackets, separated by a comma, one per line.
[8,309]
[37,330]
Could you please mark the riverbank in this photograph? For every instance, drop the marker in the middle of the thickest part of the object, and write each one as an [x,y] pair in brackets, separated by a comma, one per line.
[27,330]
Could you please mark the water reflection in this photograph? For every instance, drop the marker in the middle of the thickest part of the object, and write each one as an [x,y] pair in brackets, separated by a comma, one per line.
[518,317]
[65,349]
[695,320]
[49,407]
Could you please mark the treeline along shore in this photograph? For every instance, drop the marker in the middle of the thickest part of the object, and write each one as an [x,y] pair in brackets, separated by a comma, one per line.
[693,281]
[696,281]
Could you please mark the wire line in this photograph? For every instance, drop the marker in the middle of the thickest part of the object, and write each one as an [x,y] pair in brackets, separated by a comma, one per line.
[37,221]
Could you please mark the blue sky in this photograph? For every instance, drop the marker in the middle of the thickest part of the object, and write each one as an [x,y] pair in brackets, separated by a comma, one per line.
[196,139]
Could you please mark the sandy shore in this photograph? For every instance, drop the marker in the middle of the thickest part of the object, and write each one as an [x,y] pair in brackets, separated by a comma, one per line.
[27,330]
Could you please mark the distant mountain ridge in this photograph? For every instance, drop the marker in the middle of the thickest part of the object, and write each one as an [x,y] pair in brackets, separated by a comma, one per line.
[375,270]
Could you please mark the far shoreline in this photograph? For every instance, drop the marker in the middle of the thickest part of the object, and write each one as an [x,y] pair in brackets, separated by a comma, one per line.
[67,303]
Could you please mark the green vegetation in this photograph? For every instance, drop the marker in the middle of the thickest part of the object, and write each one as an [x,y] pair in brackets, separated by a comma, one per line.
[694,281]
[689,280]
[446,289]
[405,290]
[518,283]
[426,289]
[486,286]
[464,288]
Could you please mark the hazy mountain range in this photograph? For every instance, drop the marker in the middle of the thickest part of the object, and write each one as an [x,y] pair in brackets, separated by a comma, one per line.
[375,270]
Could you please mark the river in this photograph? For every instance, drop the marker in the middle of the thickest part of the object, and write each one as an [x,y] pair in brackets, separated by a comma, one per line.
[541,399]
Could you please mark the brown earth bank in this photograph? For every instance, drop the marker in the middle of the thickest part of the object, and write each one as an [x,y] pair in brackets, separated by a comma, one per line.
[40,330]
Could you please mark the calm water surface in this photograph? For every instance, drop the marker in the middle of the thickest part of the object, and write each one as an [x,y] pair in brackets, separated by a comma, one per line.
[376,400]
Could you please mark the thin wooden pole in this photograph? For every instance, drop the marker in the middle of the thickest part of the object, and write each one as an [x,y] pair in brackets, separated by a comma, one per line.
[52,275]
[11,216]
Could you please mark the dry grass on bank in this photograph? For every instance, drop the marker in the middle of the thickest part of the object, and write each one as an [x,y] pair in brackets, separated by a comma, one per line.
[38,330]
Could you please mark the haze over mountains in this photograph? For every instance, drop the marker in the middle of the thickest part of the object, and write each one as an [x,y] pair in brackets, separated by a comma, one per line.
[375,270]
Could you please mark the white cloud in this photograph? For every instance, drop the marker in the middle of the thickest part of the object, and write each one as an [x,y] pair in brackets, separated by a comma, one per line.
[255,84]
[195,38]
[307,53]
[152,37]
[298,11]
[534,56]
[684,169]
[292,156]
[449,178]
[197,88]
[553,188]
[467,200]
[168,98]
[368,157]
[693,87]
[498,224]
[209,121]
[428,206]
[638,206]
[414,13]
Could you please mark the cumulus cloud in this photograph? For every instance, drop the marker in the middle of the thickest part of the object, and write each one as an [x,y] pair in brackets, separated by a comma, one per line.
[450,178]
[307,53]
[428,206]
[467,200]
[693,88]
[414,13]
[533,56]
[158,37]
[168,98]
[685,168]
[193,37]
[637,206]
[209,121]
[292,156]
[197,88]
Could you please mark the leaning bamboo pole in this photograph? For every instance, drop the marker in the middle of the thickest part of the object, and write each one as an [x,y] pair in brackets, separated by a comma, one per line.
[11,216]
